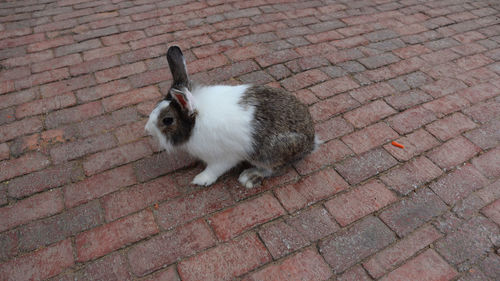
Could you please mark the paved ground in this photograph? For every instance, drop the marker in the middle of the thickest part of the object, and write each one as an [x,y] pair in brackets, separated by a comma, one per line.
[85,195]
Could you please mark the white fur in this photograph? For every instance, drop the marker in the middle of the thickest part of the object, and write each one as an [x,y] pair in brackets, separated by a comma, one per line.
[152,128]
[222,134]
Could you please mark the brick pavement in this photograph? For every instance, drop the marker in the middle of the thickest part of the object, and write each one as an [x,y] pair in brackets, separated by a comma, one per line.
[85,195]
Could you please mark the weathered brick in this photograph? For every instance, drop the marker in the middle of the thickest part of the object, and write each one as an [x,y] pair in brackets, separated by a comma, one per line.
[109,237]
[467,245]
[323,36]
[313,223]
[119,72]
[226,261]
[94,65]
[35,207]
[304,79]
[160,164]
[352,245]
[333,128]
[306,265]
[56,63]
[276,57]
[358,168]
[19,128]
[369,137]
[411,119]
[45,105]
[234,221]
[378,60]
[135,96]
[127,201]
[326,154]
[372,92]
[369,113]
[483,112]
[4,151]
[117,156]
[79,148]
[385,260]
[446,105]
[411,175]
[453,152]
[281,239]
[335,86]
[98,185]
[325,109]
[215,48]
[411,212]
[479,92]
[492,211]
[414,143]
[357,203]
[450,126]
[426,266]
[489,163]
[166,275]
[38,181]
[246,52]
[311,189]
[186,240]
[56,228]
[39,265]
[74,114]
[77,47]
[355,273]
[25,164]
[57,88]
[103,90]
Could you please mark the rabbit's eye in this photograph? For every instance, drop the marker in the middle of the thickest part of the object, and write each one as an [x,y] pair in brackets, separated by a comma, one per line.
[167,121]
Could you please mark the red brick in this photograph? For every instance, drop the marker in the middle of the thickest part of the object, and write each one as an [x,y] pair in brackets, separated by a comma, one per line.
[225,261]
[306,265]
[56,63]
[369,137]
[325,109]
[326,154]
[127,201]
[483,112]
[314,223]
[131,132]
[492,211]
[105,52]
[304,79]
[42,78]
[471,62]
[6,86]
[32,208]
[169,246]
[79,148]
[276,57]
[387,259]
[411,51]
[466,246]
[160,164]
[281,239]
[42,180]
[366,165]
[349,207]
[333,128]
[74,114]
[324,36]
[103,90]
[215,48]
[350,42]
[149,78]
[192,206]
[19,128]
[41,264]
[478,76]
[118,101]
[450,126]
[454,152]
[15,73]
[439,57]
[369,113]
[98,185]
[45,105]
[4,151]
[355,273]
[314,49]
[77,47]
[479,92]
[413,211]
[414,143]
[411,119]
[246,52]
[443,87]
[488,163]
[379,74]
[119,72]
[109,237]
[23,165]
[236,220]
[57,88]
[334,87]
[311,189]
[383,59]
[123,37]
[28,59]
[21,40]
[372,92]
[166,275]
[411,175]
[355,30]
[118,156]
[94,65]
[350,246]
[426,266]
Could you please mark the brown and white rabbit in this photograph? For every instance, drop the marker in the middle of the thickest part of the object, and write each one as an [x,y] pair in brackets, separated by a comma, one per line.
[224,125]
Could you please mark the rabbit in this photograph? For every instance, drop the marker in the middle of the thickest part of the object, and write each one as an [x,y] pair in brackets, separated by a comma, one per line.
[224,125]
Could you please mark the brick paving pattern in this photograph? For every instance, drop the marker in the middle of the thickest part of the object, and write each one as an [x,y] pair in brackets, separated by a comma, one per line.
[86,195]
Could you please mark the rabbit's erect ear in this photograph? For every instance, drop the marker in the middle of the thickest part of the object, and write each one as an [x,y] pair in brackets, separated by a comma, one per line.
[177,64]
[185,99]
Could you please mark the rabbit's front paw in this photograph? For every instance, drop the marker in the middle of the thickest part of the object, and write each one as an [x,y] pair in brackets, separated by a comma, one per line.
[204,178]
